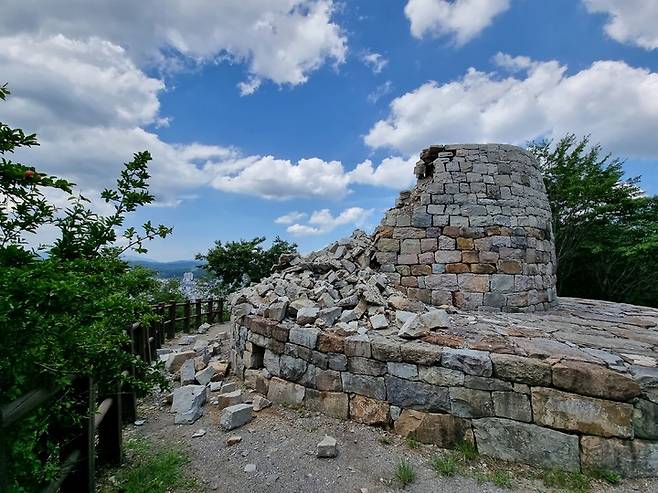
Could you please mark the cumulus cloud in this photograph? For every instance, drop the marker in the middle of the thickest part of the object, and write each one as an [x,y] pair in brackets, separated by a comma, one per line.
[280,40]
[393,172]
[462,20]
[291,217]
[629,21]
[614,102]
[322,221]
[376,61]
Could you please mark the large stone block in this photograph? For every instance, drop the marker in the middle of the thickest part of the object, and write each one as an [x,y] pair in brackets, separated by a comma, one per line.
[285,392]
[631,458]
[469,361]
[334,404]
[403,370]
[176,360]
[587,415]
[443,430]
[383,349]
[368,411]
[367,385]
[522,442]
[512,405]
[187,403]
[328,380]
[443,377]
[594,380]
[366,366]
[470,403]
[421,353]
[235,416]
[530,371]
[645,419]
[417,395]
[292,368]
[304,336]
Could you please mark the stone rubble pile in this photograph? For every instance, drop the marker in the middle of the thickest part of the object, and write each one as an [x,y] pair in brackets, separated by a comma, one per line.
[336,288]
[201,373]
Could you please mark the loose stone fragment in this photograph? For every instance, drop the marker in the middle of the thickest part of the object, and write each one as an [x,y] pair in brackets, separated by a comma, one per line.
[229,399]
[176,360]
[233,440]
[250,468]
[235,416]
[187,372]
[260,403]
[378,321]
[187,403]
[327,448]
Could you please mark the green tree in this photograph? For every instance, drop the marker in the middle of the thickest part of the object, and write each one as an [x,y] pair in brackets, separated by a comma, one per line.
[65,315]
[606,229]
[237,263]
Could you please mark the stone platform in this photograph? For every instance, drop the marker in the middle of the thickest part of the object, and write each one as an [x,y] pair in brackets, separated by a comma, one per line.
[574,388]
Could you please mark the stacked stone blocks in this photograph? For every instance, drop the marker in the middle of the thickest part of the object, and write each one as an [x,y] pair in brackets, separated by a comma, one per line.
[475,232]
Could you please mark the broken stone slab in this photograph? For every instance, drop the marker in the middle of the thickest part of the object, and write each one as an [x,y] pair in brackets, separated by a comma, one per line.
[235,416]
[187,372]
[205,376]
[187,403]
[203,328]
[307,315]
[328,316]
[378,321]
[630,458]
[176,360]
[186,340]
[594,381]
[469,361]
[586,415]
[229,399]
[435,319]
[527,443]
[413,328]
[327,447]
[277,311]
[215,386]
[260,403]
[199,433]
[228,387]
[443,430]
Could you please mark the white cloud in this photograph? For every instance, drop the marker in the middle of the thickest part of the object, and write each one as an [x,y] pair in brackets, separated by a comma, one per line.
[322,221]
[393,172]
[291,217]
[630,21]
[280,40]
[380,91]
[463,20]
[376,61]
[616,103]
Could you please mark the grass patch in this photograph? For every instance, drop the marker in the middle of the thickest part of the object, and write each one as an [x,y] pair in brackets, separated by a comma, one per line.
[151,471]
[404,473]
[444,465]
[385,440]
[502,479]
[467,450]
[411,441]
[570,481]
[604,475]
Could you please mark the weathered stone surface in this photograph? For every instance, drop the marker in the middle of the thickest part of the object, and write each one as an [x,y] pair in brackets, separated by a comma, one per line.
[328,380]
[272,362]
[594,380]
[292,368]
[229,399]
[512,405]
[444,377]
[358,345]
[330,342]
[255,379]
[469,361]
[368,411]
[443,430]
[259,403]
[187,372]
[378,321]
[205,376]
[420,353]
[645,419]
[176,360]
[337,361]
[334,404]
[587,415]
[285,392]
[366,366]
[304,336]
[631,458]
[417,395]
[530,371]
[235,416]
[327,448]
[383,349]
[364,384]
[403,370]
[470,403]
[187,403]
[531,444]
[485,383]
[307,315]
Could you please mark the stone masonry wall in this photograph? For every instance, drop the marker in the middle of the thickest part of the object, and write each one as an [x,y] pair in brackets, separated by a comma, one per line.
[475,232]
[569,415]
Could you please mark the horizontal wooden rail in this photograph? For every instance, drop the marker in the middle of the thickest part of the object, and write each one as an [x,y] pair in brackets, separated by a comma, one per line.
[24,405]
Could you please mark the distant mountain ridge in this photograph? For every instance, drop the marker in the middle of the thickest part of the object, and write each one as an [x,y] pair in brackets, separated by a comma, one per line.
[168,270]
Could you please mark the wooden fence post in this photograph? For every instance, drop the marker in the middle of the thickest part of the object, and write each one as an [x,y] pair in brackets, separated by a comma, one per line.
[186,316]
[109,432]
[211,314]
[82,477]
[220,308]
[161,326]
[197,309]
[171,326]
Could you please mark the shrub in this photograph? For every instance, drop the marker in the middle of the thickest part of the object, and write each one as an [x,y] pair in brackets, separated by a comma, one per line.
[404,473]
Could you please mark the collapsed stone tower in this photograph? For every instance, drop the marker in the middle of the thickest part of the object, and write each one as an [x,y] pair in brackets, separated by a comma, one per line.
[475,232]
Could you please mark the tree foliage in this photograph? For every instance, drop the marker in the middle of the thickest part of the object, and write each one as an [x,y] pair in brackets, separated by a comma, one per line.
[237,263]
[64,313]
[606,229]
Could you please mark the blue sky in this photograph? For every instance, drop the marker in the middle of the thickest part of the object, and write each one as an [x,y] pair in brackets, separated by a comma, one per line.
[302,118]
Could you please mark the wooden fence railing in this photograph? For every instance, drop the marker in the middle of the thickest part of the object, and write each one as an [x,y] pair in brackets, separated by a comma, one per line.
[99,435]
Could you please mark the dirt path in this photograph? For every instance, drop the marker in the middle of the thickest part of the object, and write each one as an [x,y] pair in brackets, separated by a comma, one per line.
[281,443]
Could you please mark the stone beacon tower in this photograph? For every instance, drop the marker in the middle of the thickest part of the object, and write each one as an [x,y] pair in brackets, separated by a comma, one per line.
[475,232]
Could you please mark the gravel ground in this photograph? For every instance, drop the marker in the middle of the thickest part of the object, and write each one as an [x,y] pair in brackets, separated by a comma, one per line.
[281,443]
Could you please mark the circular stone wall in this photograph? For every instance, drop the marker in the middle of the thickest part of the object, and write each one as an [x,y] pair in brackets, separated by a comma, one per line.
[475,232]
